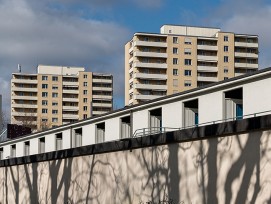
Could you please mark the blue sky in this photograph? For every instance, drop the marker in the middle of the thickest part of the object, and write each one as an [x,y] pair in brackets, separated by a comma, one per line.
[92,33]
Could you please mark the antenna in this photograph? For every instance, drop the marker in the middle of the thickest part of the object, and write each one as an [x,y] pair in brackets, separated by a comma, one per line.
[19,68]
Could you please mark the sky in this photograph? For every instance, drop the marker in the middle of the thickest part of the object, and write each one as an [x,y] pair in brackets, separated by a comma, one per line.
[92,33]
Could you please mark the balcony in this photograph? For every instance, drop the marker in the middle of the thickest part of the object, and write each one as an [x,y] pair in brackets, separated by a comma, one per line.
[130,60]
[22,89]
[107,81]
[99,112]
[70,117]
[106,105]
[150,76]
[102,97]
[150,54]
[24,81]
[246,65]
[70,83]
[150,86]
[207,47]
[246,55]
[150,44]
[207,58]
[131,49]
[70,108]
[207,79]
[66,99]
[151,65]
[34,98]
[24,114]
[66,91]
[16,105]
[146,97]
[95,88]
[207,69]
[246,44]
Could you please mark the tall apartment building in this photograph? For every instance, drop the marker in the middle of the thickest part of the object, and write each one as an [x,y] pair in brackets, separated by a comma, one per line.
[184,57]
[58,95]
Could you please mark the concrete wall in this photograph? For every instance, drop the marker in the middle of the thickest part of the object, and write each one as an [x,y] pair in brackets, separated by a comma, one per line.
[232,169]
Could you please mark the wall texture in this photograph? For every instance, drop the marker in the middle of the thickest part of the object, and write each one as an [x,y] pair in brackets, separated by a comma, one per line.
[231,168]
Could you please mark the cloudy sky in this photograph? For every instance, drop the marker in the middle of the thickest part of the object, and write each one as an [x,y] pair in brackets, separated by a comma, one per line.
[92,33]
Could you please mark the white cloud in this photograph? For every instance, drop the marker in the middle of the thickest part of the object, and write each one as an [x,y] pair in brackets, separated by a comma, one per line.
[31,35]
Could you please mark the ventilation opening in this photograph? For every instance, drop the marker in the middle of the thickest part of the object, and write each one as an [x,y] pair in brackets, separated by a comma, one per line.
[77,138]
[58,141]
[100,131]
[191,115]
[156,120]
[125,127]
[233,104]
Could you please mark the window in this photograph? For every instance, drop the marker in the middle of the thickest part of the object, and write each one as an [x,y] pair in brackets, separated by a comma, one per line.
[54,95]
[85,76]
[13,151]
[85,84]
[55,87]
[85,116]
[187,62]
[125,127]
[226,48]
[226,70]
[175,60]
[44,86]
[175,50]
[77,138]
[58,141]
[54,111]
[85,92]
[1,153]
[187,72]
[175,82]
[146,39]
[44,120]
[100,130]
[26,148]
[226,38]
[187,51]
[175,72]
[226,59]
[44,78]
[85,108]
[44,94]
[55,78]
[190,113]
[155,119]
[175,40]
[54,103]
[85,100]
[188,41]
[44,102]
[44,110]
[41,145]
[187,83]
[226,78]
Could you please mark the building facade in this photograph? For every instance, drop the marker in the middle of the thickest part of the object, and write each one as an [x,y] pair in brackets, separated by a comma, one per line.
[233,99]
[58,95]
[182,57]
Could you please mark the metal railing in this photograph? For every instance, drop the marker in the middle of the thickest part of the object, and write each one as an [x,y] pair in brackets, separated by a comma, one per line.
[157,130]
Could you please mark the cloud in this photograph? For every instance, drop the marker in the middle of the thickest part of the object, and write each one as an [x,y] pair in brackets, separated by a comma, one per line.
[34,34]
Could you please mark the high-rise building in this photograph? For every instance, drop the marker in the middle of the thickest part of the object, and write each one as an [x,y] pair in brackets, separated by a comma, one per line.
[184,57]
[58,95]
[1,114]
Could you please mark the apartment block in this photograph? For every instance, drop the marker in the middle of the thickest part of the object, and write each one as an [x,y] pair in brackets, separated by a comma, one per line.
[184,57]
[58,95]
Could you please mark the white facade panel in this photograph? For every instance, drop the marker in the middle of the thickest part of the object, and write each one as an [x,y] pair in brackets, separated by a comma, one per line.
[34,146]
[88,134]
[112,129]
[140,120]
[210,109]
[50,142]
[169,110]
[257,96]
[66,139]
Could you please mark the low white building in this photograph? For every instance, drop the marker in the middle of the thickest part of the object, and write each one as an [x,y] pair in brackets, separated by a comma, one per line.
[236,98]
